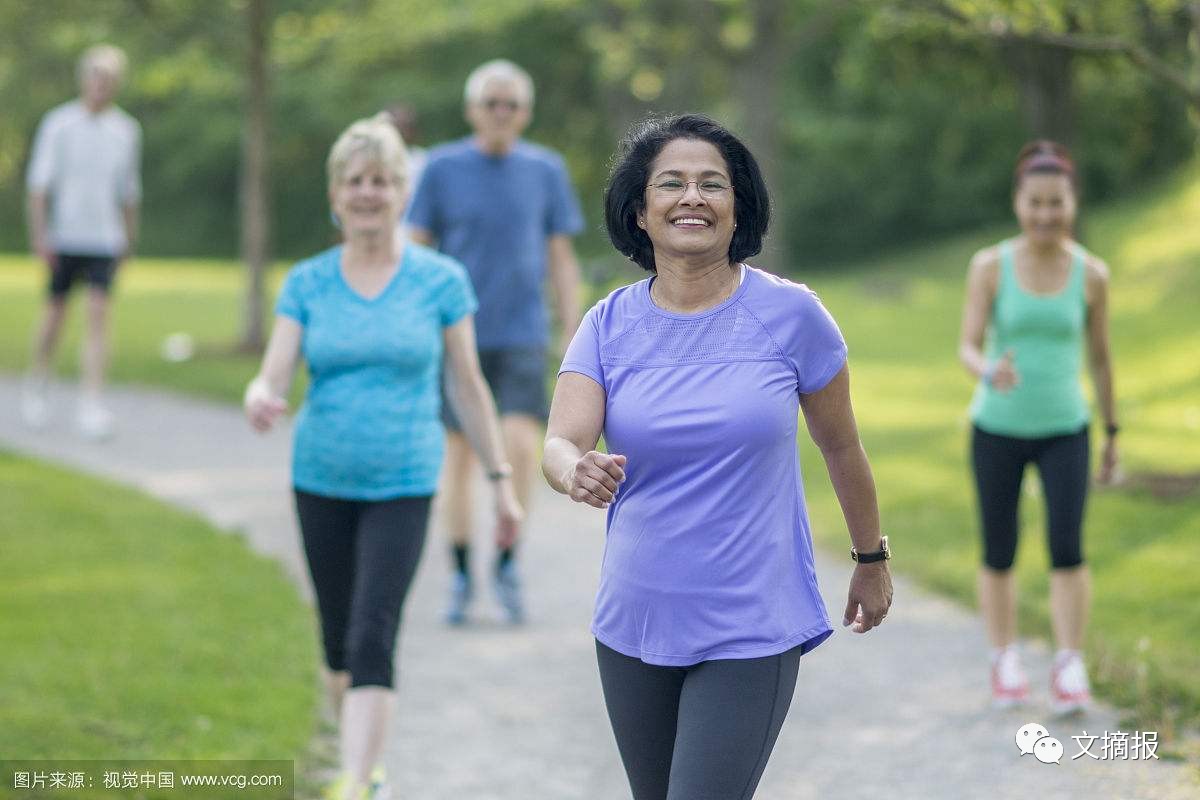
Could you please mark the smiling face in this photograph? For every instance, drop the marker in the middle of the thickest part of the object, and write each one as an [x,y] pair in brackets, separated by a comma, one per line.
[1045,207]
[697,222]
[367,198]
[500,115]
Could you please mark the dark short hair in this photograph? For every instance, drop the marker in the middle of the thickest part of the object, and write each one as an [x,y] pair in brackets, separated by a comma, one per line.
[625,195]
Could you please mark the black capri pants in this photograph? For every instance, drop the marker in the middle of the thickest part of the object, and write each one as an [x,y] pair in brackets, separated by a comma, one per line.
[1062,463]
[362,556]
[702,732]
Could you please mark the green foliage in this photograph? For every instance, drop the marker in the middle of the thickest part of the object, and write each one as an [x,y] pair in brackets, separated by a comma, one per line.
[135,631]
[891,126]
[905,131]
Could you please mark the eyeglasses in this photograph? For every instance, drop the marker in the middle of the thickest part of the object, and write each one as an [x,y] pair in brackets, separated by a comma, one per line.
[493,103]
[673,187]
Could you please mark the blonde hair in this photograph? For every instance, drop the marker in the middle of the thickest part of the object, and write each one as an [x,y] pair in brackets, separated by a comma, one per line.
[499,69]
[377,138]
[106,57]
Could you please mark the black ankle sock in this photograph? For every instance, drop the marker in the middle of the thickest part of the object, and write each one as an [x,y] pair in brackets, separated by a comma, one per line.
[461,553]
[504,557]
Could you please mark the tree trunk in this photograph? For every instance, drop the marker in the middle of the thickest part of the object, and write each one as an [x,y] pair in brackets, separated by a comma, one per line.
[1043,74]
[757,77]
[255,200]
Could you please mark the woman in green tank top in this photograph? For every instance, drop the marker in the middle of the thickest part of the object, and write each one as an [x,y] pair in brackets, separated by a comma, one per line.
[1034,304]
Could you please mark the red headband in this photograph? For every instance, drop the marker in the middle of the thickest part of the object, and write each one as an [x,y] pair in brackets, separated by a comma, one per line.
[1049,162]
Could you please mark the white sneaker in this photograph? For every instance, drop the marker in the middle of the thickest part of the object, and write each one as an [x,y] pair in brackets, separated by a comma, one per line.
[1069,688]
[35,403]
[1010,686]
[95,421]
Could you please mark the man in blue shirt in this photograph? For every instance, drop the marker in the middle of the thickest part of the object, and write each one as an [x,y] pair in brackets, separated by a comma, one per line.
[505,209]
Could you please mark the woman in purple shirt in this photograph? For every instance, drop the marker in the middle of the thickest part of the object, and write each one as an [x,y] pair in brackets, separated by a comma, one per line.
[695,376]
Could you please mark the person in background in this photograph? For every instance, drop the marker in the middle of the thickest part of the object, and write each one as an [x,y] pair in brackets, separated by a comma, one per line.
[373,319]
[505,208]
[84,187]
[1033,304]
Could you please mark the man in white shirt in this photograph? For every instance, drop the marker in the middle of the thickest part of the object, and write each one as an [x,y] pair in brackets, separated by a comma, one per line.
[84,188]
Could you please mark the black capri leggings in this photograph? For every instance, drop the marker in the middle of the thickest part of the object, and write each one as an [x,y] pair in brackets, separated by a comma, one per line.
[362,556]
[702,732]
[1062,463]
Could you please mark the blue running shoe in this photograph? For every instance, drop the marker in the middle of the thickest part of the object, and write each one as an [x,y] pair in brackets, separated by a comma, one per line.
[461,594]
[508,592]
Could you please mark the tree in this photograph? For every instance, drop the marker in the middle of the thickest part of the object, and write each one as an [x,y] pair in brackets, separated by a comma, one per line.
[1138,31]
[255,194]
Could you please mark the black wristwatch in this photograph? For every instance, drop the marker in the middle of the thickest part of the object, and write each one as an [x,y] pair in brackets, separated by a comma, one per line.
[1112,429]
[882,554]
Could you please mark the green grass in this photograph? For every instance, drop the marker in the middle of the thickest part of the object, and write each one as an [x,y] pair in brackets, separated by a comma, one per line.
[900,314]
[153,299]
[134,631]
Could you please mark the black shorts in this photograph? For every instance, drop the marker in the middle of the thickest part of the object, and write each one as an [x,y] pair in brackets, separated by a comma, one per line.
[517,378]
[94,270]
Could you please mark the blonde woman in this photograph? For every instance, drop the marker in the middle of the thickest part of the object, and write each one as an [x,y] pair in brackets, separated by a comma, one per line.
[373,318]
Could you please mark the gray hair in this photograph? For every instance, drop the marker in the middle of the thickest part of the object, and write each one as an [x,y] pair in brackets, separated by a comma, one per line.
[376,137]
[500,69]
[106,57]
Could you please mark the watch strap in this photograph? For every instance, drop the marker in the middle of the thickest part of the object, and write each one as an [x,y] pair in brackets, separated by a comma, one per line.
[882,554]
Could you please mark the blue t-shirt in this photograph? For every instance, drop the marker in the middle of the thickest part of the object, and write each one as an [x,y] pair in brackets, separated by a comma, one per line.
[370,426]
[494,214]
[708,553]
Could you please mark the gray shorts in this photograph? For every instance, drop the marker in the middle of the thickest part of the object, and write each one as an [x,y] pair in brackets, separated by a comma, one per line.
[517,377]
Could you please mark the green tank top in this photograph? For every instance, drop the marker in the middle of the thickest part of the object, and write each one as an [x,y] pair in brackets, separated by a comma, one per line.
[1045,334]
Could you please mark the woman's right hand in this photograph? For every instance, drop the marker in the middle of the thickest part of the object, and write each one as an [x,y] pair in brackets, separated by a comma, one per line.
[262,406]
[594,478]
[1002,374]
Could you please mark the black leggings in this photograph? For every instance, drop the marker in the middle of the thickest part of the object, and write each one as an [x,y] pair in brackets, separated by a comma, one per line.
[362,556]
[702,732]
[1062,463]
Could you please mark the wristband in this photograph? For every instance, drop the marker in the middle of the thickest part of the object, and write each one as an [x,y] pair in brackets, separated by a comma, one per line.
[989,372]
[1112,429]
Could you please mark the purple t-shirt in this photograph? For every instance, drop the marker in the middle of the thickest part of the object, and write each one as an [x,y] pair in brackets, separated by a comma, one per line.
[708,553]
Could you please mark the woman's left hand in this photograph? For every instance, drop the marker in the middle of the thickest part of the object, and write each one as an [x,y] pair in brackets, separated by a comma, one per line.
[1109,462]
[870,596]
[509,514]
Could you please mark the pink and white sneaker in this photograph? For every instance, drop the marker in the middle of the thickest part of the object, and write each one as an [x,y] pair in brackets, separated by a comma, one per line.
[1010,686]
[1069,688]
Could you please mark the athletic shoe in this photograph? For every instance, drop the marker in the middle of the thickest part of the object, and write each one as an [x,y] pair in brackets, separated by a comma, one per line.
[95,421]
[1010,687]
[35,404]
[337,789]
[508,592]
[379,789]
[461,594]
[1069,689]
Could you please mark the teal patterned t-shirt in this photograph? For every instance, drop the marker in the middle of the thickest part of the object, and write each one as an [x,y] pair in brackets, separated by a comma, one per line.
[370,428]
